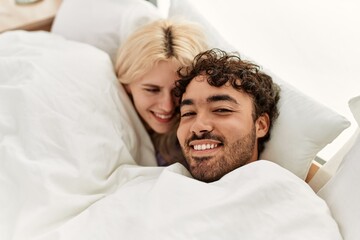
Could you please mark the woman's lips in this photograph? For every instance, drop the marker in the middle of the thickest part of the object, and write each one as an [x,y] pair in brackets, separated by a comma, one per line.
[163,117]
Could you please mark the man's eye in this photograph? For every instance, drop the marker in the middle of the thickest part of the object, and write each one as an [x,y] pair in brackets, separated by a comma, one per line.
[222,110]
[187,114]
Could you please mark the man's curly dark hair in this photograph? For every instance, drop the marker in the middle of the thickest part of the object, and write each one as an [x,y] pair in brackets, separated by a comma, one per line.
[221,68]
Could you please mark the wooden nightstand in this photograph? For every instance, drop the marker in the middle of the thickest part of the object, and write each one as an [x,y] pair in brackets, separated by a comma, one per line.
[31,17]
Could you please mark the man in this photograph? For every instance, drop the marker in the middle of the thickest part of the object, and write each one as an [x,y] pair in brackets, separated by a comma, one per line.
[227,108]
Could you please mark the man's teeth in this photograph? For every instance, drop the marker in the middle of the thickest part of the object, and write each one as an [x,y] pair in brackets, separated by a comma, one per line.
[204,146]
[163,116]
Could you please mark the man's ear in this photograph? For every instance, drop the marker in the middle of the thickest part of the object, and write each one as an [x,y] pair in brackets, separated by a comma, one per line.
[262,125]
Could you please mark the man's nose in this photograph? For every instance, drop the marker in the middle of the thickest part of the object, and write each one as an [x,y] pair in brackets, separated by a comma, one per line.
[203,123]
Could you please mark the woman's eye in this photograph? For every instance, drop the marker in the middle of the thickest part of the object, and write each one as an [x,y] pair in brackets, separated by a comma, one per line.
[152,90]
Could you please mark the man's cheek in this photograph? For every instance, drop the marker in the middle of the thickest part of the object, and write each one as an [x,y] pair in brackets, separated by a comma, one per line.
[181,136]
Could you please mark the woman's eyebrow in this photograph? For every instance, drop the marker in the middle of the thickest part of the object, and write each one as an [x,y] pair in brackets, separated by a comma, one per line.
[150,85]
[223,97]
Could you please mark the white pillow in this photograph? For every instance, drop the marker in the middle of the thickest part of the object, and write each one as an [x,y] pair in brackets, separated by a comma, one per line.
[354,105]
[104,24]
[342,193]
[66,129]
[329,169]
[304,126]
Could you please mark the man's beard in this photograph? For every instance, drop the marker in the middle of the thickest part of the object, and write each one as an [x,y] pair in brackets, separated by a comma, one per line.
[234,156]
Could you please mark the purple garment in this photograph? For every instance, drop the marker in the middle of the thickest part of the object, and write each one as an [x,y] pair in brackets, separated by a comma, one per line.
[161,161]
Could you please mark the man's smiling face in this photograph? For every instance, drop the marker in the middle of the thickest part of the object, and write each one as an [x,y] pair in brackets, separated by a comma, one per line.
[217,131]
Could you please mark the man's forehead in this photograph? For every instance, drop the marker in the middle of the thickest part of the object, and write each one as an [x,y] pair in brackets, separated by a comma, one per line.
[199,86]
[199,90]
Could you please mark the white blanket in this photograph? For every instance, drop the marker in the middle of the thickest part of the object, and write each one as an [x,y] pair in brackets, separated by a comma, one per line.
[258,201]
[70,156]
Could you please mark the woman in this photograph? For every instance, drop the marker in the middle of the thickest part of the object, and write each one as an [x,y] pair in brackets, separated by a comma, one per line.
[147,66]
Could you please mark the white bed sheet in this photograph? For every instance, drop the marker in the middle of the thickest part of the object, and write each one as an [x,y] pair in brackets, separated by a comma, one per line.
[258,201]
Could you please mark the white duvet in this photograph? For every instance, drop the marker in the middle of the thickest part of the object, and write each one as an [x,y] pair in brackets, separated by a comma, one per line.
[71,147]
[258,201]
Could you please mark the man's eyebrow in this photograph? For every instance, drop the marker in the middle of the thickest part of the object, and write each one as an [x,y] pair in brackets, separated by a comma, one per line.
[186,102]
[214,98]
[217,98]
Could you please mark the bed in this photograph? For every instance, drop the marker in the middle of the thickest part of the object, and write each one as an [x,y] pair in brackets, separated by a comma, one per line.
[71,166]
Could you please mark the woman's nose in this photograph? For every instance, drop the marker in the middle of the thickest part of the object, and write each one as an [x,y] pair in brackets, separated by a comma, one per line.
[167,102]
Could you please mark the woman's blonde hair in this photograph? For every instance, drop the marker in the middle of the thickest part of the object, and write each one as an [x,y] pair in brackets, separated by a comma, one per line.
[170,40]
[177,41]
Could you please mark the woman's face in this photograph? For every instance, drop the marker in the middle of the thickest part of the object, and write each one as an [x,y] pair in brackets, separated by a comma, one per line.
[153,96]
